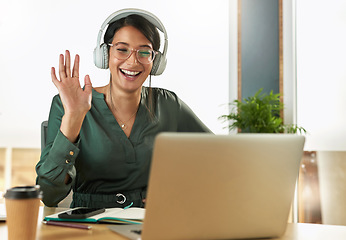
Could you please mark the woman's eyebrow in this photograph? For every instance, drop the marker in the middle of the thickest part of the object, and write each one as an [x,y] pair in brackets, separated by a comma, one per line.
[124,43]
[147,46]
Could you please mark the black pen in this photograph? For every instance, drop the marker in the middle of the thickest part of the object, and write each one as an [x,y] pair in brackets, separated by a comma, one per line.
[65,224]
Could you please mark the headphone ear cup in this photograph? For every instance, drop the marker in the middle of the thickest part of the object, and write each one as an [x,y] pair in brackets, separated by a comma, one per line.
[101,56]
[159,65]
[105,57]
[156,63]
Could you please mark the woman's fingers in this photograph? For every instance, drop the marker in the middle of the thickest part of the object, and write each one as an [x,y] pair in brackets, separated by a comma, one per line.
[54,78]
[66,80]
[75,70]
[62,71]
[87,84]
[65,66]
[87,81]
[67,63]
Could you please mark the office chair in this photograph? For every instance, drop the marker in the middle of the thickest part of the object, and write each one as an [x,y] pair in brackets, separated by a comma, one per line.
[44,126]
[65,203]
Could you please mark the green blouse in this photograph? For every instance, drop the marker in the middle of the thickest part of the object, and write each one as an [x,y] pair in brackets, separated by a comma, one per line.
[104,162]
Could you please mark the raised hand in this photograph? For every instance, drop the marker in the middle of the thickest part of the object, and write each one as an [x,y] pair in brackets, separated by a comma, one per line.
[75,100]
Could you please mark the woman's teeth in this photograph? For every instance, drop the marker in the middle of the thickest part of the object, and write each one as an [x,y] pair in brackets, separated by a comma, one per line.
[131,73]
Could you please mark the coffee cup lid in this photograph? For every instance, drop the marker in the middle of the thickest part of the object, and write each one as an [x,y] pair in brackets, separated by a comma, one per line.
[23,192]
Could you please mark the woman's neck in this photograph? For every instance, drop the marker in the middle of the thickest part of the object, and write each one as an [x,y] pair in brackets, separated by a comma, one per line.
[123,102]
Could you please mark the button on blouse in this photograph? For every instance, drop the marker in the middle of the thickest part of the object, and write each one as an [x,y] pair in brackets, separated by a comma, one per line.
[104,160]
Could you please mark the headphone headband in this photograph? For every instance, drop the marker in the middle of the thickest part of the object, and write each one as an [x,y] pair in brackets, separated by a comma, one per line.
[101,55]
[129,11]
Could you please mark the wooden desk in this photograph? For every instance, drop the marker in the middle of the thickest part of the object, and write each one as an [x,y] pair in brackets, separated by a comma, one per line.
[295,231]
[48,232]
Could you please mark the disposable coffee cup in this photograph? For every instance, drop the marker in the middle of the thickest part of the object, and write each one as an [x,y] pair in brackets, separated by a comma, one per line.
[22,206]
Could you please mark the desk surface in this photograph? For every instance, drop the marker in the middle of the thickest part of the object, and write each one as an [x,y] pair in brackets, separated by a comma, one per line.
[295,231]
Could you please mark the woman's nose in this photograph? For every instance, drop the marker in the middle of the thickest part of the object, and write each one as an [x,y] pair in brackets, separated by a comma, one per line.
[132,59]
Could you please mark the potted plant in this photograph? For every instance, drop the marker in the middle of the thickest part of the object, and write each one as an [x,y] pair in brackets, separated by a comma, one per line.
[259,114]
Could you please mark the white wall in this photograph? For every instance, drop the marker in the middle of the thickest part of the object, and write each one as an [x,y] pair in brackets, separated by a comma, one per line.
[34,32]
[321,73]
[289,61]
[233,51]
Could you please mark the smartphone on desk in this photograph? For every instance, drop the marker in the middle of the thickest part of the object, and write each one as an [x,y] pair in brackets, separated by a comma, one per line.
[81,213]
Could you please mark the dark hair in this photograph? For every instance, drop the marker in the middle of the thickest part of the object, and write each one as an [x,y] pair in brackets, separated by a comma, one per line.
[137,21]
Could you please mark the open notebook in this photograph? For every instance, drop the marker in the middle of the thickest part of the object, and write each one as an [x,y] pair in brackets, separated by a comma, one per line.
[111,215]
[205,186]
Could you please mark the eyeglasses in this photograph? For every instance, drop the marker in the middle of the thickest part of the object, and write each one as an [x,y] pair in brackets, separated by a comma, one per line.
[123,52]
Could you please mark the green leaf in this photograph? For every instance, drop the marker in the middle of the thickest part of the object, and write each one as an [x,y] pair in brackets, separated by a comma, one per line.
[259,114]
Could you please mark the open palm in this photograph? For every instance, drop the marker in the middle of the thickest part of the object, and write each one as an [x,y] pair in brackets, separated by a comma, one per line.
[74,99]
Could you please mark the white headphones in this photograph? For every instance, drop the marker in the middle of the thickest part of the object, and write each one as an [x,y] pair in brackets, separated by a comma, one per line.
[101,50]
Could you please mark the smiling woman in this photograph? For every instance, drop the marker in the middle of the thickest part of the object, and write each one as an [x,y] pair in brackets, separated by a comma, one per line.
[34,28]
[100,140]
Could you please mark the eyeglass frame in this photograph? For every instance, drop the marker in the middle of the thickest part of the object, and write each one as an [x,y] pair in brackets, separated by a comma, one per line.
[135,50]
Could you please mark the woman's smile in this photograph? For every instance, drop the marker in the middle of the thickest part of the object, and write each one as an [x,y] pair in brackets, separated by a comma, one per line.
[130,74]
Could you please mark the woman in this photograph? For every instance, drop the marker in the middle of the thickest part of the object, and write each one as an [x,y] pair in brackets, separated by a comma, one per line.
[100,140]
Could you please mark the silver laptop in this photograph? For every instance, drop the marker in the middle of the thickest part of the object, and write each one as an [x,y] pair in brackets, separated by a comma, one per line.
[205,186]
